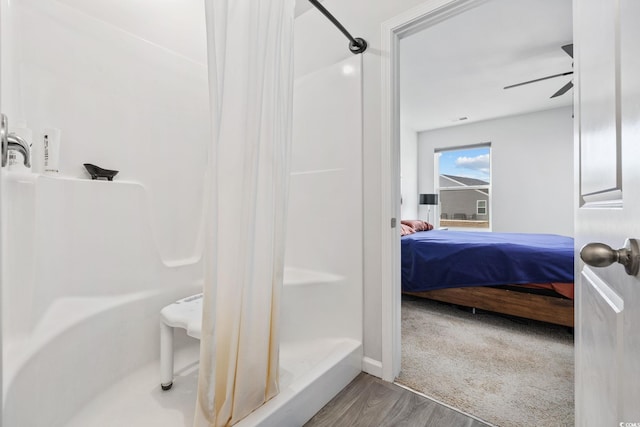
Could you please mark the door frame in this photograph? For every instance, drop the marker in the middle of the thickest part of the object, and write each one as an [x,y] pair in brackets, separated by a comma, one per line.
[428,13]
[4,12]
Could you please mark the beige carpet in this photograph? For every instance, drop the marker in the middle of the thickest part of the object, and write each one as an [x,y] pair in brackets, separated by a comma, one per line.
[507,372]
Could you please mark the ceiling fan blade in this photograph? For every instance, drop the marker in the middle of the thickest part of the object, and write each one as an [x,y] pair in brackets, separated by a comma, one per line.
[540,79]
[568,48]
[563,89]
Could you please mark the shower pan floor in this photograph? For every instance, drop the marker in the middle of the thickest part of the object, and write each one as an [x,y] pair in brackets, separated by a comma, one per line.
[312,372]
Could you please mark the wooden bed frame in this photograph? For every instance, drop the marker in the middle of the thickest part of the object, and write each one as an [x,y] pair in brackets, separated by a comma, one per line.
[530,306]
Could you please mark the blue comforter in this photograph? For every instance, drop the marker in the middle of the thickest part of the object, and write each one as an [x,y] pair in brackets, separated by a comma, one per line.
[440,259]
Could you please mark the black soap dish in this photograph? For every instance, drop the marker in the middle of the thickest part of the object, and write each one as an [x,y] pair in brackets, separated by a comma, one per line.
[97,172]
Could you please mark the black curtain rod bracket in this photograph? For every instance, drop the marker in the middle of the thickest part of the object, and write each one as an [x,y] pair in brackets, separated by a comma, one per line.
[356,45]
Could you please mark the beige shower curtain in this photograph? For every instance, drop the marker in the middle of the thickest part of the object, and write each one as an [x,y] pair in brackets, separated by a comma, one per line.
[249,46]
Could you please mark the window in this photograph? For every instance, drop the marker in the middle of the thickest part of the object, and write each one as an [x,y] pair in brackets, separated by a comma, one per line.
[464,184]
[481,207]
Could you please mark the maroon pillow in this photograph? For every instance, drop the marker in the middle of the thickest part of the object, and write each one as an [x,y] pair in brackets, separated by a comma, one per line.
[406,230]
[417,224]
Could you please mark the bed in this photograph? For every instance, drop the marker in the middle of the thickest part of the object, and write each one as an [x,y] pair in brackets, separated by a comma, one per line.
[519,274]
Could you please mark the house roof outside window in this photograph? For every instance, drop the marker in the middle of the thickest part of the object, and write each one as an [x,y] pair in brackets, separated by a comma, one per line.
[454,181]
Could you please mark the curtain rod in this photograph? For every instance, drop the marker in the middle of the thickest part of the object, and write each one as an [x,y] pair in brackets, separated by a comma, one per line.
[356,45]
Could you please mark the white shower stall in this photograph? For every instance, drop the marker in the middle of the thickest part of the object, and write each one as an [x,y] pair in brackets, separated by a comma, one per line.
[87,265]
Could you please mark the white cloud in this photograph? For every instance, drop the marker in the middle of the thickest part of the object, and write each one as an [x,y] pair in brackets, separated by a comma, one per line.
[478,163]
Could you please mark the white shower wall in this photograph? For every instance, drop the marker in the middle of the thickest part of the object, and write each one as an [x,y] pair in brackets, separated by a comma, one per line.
[88,265]
[126,82]
[317,45]
[324,230]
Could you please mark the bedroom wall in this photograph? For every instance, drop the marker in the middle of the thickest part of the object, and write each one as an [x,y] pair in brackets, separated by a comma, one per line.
[319,44]
[532,168]
[409,173]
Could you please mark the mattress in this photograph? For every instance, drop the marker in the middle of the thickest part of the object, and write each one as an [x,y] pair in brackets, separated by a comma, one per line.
[440,259]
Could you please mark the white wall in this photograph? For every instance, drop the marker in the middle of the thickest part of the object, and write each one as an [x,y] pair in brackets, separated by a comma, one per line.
[531,164]
[409,173]
[318,44]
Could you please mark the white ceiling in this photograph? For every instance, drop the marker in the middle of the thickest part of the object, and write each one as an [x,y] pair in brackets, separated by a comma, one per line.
[458,67]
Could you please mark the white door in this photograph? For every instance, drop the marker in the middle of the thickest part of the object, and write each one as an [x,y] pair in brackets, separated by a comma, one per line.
[607,55]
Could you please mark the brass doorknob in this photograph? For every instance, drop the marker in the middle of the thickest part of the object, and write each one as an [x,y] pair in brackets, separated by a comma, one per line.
[601,255]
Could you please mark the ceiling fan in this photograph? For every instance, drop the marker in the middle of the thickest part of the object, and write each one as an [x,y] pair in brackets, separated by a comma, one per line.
[568,48]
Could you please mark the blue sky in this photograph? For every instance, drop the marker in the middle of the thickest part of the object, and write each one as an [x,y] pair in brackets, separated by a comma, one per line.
[470,163]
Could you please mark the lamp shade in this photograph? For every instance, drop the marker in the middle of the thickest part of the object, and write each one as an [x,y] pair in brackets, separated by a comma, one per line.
[428,199]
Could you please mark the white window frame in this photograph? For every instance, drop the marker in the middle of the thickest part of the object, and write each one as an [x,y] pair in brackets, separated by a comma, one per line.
[438,189]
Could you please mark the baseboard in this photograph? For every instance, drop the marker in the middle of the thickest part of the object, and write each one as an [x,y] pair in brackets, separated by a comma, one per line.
[372,366]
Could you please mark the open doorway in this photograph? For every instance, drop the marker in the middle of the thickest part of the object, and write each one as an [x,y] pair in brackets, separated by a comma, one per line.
[452,98]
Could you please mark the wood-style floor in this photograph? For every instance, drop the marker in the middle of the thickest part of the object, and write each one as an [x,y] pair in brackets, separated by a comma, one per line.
[370,402]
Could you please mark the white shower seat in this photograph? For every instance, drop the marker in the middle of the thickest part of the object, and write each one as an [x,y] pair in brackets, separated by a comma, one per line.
[185,313]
